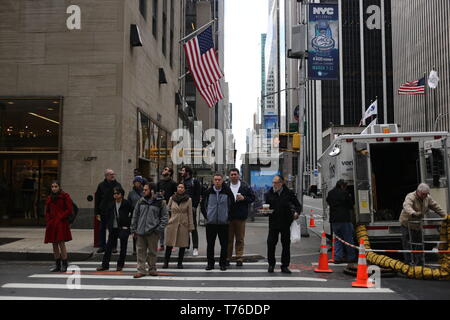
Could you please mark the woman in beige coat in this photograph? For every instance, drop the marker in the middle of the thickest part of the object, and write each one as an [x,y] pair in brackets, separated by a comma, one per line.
[180,224]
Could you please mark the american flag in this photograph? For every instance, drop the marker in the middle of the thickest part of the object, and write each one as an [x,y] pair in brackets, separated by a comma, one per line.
[204,66]
[413,87]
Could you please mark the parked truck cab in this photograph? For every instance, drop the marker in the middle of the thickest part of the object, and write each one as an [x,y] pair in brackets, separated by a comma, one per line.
[381,167]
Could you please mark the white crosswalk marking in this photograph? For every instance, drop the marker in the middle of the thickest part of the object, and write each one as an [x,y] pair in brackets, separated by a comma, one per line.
[188,283]
[130,277]
[192,289]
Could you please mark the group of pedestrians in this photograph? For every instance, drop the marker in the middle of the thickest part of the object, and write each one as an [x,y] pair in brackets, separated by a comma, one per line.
[168,210]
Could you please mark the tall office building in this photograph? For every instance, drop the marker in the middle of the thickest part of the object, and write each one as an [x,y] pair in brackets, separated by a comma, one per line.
[76,99]
[421,36]
[366,75]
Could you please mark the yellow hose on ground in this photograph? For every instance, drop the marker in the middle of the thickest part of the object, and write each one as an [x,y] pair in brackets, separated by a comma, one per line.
[422,273]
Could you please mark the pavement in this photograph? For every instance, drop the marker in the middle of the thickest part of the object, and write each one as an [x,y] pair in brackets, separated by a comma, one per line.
[27,244]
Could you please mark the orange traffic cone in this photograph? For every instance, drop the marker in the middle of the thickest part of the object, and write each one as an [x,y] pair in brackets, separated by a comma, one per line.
[323,258]
[332,249]
[312,223]
[362,278]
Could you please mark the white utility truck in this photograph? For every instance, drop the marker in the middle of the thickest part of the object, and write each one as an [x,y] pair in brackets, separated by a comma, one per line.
[381,166]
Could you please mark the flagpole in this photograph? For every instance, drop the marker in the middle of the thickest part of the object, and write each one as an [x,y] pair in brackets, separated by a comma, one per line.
[426,104]
[435,100]
[198,30]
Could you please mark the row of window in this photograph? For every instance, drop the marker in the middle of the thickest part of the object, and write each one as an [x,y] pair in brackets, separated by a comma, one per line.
[143,11]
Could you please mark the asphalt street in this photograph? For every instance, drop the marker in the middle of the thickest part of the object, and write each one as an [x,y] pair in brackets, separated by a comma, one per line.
[32,280]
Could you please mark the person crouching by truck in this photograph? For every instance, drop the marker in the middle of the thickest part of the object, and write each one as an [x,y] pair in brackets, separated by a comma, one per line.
[341,205]
[415,207]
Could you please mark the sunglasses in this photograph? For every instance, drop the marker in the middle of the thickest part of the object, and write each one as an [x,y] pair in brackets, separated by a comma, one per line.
[117,193]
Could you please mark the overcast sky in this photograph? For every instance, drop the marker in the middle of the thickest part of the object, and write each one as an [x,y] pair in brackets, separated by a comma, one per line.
[245,21]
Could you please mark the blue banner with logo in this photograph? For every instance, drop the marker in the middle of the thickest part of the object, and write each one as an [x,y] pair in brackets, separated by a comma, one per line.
[323,42]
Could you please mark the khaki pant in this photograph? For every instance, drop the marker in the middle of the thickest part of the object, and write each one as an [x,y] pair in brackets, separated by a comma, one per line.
[236,231]
[147,247]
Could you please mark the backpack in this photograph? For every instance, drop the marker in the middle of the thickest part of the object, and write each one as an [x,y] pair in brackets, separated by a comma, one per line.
[74,213]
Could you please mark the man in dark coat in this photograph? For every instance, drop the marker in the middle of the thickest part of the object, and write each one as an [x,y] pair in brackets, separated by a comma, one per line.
[118,222]
[194,190]
[341,204]
[244,196]
[103,199]
[286,209]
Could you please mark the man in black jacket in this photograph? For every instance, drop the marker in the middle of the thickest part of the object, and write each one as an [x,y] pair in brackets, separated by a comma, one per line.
[341,204]
[286,209]
[243,196]
[103,199]
[194,190]
[118,221]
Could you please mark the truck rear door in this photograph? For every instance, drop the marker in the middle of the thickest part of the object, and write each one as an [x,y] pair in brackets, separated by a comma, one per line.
[361,173]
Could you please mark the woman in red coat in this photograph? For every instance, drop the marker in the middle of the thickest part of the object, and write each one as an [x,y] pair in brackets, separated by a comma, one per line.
[57,210]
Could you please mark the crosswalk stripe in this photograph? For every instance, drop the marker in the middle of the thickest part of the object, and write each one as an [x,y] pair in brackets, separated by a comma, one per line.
[196,270]
[196,289]
[129,277]
[99,263]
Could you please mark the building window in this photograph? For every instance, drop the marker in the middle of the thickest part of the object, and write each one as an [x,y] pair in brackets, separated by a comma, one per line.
[29,157]
[172,27]
[164,26]
[143,8]
[155,147]
[155,18]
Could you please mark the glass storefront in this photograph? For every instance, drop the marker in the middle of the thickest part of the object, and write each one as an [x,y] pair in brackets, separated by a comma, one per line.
[29,158]
[155,147]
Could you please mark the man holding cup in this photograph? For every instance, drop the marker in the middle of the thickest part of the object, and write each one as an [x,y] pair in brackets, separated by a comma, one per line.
[286,209]
[244,196]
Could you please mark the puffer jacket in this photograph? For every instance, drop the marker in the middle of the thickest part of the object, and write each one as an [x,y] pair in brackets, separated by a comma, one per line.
[414,209]
[150,215]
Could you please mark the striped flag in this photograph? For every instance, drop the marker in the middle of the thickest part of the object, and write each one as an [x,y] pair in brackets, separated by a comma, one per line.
[204,66]
[413,88]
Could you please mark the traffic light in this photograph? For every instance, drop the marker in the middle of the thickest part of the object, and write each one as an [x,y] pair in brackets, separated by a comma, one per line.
[296,140]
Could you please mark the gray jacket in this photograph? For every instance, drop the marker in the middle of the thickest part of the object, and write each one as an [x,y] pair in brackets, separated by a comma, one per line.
[149,216]
[215,207]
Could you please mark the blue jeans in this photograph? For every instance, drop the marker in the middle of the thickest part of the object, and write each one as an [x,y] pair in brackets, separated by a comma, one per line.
[345,231]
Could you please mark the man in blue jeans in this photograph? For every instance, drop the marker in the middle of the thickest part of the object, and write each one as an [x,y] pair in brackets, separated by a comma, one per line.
[341,205]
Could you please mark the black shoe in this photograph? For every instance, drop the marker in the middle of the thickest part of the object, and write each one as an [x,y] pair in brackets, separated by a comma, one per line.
[271,269]
[223,268]
[166,265]
[180,266]
[114,250]
[227,263]
[101,250]
[239,264]
[102,269]
[286,270]
[64,265]
[209,267]
[58,266]
[119,269]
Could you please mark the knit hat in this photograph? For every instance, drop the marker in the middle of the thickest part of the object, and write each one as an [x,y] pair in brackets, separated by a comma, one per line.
[138,179]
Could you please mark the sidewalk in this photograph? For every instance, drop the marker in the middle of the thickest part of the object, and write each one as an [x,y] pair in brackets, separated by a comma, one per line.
[27,244]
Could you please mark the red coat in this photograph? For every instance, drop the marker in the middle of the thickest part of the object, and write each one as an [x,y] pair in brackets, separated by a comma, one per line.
[56,214]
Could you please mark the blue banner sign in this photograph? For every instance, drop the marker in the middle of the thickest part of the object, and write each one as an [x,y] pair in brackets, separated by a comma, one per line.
[323,42]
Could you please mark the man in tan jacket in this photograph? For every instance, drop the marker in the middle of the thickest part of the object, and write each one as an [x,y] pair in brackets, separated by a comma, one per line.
[416,205]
